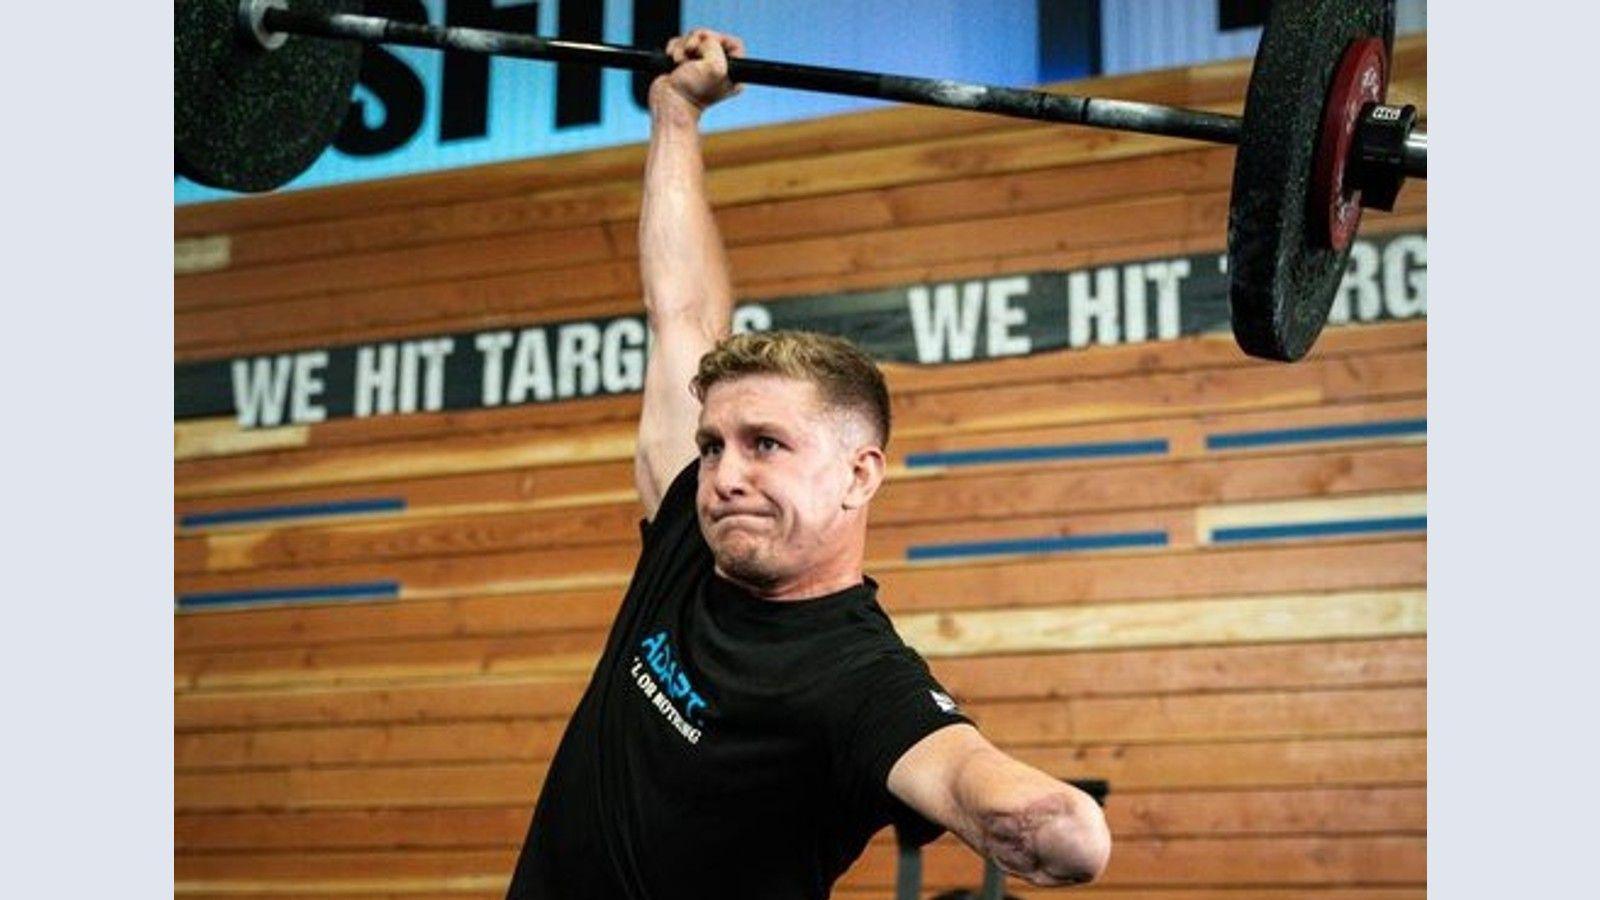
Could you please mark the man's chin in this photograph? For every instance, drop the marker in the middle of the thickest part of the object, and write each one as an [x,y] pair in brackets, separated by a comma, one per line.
[746,569]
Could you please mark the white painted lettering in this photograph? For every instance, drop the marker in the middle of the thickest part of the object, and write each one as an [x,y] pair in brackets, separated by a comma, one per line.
[1405,276]
[622,356]
[307,384]
[530,368]
[260,389]
[433,355]
[408,377]
[1003,317]
[1096,310]
[946,326]
[492,344]
[1359,290]
[577,359]
[1168,277]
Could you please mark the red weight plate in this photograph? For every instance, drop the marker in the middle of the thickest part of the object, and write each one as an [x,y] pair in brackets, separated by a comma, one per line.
[1360,79]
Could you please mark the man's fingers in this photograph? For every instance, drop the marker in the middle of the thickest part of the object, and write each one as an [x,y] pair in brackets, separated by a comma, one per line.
[734,46]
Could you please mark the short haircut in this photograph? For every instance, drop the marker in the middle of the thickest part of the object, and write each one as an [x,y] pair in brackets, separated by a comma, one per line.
[845,377]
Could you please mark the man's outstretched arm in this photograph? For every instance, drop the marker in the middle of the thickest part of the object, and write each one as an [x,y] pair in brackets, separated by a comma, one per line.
[1036,827]
[688,297]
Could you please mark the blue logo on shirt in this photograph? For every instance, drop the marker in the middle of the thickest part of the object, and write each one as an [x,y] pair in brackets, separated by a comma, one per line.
[663,661]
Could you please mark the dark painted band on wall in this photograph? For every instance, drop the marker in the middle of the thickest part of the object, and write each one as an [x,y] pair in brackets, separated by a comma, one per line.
[252,514]
[364,590]
[934,323]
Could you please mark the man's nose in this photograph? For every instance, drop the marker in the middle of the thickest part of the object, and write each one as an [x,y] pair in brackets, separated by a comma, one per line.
[730,477]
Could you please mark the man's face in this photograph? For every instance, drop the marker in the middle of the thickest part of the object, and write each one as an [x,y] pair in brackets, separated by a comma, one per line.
[774,472]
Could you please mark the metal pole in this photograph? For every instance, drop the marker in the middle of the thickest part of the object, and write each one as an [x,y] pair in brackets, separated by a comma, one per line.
[1117,115]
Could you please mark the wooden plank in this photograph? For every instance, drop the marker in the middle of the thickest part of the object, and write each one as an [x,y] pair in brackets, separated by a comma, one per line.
[1385,376]
[223,437]
[560,655]
[395,700]
[1200,717]
[1240,764]
[319,276]
[1160,718]
[1366,614]
[1381,662]
[1383,810]
[1405,505]
[1209,861]
[1217,862]
[1351,762]
[460,617]
[360,787]
[1390,662]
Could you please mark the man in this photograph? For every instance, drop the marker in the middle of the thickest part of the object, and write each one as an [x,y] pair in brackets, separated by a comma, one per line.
[754,718]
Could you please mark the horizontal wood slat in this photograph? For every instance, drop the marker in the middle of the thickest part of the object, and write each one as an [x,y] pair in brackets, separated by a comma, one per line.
[1210,861]
[1166,718]
[1390,662]
[1382,810]
[1322,762]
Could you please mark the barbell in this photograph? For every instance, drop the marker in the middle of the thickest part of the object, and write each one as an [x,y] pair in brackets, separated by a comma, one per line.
[261,88]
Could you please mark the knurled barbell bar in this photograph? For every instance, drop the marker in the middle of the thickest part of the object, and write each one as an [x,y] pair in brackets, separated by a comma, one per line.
[261,88]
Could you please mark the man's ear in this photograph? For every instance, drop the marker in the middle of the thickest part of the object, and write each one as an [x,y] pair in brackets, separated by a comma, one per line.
[867,467]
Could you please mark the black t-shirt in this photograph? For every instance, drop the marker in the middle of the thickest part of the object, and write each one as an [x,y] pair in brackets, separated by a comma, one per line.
[728,746]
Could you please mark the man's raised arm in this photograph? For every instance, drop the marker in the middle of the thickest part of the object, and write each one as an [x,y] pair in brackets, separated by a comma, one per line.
[687,294]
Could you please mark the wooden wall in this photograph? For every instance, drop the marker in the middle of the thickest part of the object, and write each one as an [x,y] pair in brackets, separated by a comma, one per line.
[1257,706]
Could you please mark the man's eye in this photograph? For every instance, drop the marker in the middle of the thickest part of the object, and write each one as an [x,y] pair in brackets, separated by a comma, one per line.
[709,449]
[767,444]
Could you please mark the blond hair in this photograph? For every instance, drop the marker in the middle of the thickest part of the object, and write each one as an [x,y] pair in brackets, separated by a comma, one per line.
[845,377]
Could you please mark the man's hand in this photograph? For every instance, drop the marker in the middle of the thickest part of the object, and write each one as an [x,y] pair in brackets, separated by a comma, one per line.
[701,77]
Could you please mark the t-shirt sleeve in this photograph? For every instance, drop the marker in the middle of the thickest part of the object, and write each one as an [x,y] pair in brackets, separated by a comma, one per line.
[895,702]
[676,509]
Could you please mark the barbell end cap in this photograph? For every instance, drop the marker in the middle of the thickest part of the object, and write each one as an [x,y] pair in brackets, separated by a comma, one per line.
[253,27]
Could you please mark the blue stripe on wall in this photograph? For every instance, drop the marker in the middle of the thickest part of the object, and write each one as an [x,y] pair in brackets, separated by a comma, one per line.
[992,455]
[292,511]
[364,590]
[1319,529]
[1237,439]
[1040,545]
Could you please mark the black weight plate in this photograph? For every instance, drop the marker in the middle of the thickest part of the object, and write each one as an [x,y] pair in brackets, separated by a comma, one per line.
[1282,277]
[249,119]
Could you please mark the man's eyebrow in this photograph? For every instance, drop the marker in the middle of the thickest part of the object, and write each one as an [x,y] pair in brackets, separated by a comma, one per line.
[707,433]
